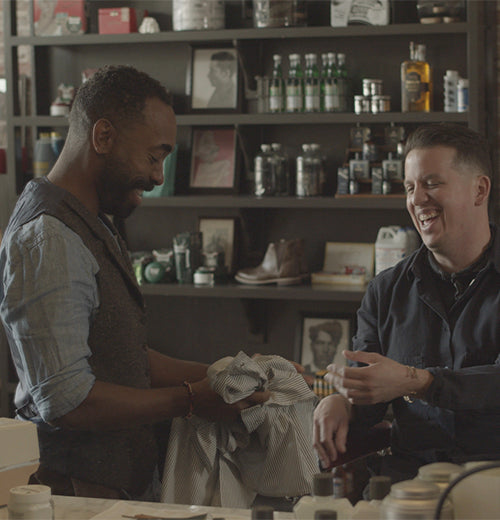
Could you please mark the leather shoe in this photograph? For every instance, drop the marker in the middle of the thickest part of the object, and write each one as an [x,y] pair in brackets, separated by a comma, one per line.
[284,263]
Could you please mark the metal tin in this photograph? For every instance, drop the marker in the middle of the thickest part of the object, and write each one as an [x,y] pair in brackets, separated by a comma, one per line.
[380,104]
[372,87]
[376,87]
[361,104]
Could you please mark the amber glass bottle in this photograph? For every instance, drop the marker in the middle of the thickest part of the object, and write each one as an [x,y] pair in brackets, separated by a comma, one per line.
[416,81]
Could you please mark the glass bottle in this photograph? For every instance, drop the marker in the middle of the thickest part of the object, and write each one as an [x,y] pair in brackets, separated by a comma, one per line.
[318,165]
[265,173]
[311,84]
[282,171]
[343,83]
[416,81]
[295,85]
[331,101]
[322,81]
[277,87]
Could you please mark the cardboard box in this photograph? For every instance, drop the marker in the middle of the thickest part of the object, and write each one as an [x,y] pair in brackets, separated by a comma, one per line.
[19,454]
[59,17]
[120,20]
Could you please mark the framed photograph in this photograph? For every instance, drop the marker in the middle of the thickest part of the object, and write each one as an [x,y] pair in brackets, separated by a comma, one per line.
[214,79]
[213,160]
[321,340]
[219,235]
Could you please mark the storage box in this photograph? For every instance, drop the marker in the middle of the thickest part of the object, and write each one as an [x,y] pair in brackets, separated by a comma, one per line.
[19,454]
[59,17]
[119,20]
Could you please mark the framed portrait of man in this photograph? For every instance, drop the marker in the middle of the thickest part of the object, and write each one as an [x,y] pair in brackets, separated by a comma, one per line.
[322,338]
[214,79]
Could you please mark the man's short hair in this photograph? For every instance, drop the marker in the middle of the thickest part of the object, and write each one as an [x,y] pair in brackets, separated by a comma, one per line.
[333,328]
[471,148]
[117,93]
[226,61]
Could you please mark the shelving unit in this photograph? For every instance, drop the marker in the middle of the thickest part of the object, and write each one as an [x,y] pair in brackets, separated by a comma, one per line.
[205,323]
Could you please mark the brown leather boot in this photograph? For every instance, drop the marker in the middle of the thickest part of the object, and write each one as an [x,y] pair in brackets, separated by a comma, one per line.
[284,263]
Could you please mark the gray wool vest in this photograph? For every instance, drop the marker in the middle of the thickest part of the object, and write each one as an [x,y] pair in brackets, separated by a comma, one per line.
[119,459]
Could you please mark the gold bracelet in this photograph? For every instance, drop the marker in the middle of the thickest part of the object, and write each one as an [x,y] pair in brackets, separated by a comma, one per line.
[190,392]
[411,372]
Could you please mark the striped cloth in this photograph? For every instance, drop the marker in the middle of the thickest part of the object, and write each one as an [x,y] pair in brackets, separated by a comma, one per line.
[268,451]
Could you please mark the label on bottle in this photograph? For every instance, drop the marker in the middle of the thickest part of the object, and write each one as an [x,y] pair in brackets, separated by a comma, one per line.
[312,97]
[331,99]
[294,101]
[414,86]
[275,98]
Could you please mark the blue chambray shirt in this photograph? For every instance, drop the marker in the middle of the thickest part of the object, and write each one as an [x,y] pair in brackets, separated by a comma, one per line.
[48,295]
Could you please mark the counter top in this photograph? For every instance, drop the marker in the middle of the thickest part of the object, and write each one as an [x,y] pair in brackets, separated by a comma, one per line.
[79,508]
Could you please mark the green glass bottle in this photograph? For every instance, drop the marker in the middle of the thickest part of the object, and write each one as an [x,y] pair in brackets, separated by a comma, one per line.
[295,85]
[277,87]
[311,84]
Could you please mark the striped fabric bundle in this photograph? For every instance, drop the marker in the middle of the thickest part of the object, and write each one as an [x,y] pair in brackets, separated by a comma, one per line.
[267,452]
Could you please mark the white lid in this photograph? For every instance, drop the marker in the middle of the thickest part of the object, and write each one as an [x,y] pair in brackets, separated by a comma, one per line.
[30,494]
[463,82]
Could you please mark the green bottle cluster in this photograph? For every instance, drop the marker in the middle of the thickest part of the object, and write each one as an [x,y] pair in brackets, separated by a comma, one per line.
[312,89]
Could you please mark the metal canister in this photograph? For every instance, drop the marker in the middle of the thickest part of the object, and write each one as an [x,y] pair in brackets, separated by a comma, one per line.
[380,104]
[413,500]
[361,104]
[376,87]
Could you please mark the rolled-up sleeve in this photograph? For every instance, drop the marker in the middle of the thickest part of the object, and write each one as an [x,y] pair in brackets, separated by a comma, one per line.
[49,296]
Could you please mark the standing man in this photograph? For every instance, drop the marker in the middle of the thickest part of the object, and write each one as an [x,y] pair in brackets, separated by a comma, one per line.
[73,312]
[428,338]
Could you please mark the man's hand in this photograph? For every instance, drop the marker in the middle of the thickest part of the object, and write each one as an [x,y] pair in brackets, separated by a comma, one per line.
[210,405]
[330,427]
[382,380]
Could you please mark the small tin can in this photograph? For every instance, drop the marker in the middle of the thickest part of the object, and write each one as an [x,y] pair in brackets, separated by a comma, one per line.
[376,87]
[463,95]
[361,104]
[380,104]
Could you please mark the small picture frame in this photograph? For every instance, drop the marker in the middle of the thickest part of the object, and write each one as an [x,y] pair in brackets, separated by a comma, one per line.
[219,235]
[214,79]
[321,340]
[213,161]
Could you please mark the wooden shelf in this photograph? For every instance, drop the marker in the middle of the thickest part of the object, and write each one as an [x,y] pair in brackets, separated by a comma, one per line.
[341,293]
[278,119]
[232,35]
[395,202]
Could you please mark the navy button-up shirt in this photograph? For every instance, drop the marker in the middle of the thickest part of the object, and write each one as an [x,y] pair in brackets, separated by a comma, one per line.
[403,317]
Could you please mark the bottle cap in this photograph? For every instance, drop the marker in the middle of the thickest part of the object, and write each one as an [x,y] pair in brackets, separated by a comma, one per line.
[322,484]
[29,494]
[262,513]
[379,487]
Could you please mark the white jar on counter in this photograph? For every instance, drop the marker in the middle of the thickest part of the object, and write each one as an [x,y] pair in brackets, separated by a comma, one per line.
[30,502]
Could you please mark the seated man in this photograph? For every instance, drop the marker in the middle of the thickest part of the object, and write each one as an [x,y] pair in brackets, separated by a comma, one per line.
[428,337]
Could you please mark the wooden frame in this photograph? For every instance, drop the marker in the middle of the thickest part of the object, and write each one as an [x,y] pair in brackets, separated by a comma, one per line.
[219,234]
[214,81]
[213,161]
[321,339]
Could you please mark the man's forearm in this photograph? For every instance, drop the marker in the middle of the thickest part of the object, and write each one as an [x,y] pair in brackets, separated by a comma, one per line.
[110,407]
[168,371]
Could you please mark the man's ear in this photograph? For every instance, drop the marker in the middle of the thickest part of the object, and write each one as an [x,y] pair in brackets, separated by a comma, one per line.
[483,188]
[103,136]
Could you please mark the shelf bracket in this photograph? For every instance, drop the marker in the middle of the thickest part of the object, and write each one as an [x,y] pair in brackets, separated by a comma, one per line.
[256,314]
